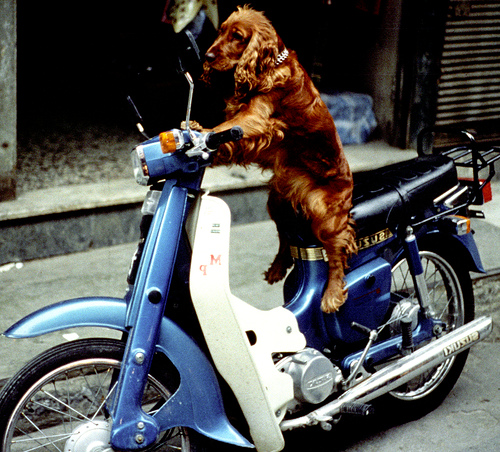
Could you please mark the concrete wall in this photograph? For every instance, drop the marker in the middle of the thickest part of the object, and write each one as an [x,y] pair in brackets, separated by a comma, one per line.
[382,68]
[8,115]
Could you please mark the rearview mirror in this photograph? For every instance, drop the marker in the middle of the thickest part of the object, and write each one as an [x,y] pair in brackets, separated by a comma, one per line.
[189,58]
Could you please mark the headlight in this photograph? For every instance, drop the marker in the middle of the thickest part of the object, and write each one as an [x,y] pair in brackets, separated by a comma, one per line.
[139,165]
[157,159]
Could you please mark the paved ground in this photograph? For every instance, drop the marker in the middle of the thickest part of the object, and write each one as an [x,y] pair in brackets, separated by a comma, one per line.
[469,419]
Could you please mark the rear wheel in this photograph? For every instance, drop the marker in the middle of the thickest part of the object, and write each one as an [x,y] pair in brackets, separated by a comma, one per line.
[452,301]
[57,402]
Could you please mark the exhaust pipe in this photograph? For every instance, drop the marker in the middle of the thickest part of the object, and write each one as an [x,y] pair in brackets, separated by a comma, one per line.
[400,372]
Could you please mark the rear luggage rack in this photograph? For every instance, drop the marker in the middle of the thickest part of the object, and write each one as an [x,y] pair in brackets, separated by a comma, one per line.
[473,157]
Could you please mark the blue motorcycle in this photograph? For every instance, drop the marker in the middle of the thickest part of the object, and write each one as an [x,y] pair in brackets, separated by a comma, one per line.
[197,366]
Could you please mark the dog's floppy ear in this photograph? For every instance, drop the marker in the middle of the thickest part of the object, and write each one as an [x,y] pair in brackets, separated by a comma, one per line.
[254,70]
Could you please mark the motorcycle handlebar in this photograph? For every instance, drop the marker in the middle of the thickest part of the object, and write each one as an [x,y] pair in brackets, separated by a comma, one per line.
[214,139]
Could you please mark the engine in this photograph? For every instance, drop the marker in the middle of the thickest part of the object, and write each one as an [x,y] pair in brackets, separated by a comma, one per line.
[314,376]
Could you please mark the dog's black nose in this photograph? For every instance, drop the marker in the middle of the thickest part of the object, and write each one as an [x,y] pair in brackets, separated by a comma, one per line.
[210,56]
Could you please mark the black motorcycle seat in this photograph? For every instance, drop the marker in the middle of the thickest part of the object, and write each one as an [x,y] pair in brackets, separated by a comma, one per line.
[388,196]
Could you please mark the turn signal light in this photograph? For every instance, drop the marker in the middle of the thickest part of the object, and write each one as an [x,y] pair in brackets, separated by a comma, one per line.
[458,224]
[168,142]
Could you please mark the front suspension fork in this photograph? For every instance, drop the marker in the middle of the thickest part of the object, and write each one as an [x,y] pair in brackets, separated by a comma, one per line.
[133,429]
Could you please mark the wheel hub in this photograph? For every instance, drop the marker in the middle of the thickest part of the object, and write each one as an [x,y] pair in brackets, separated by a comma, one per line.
[405,308]
[92,436]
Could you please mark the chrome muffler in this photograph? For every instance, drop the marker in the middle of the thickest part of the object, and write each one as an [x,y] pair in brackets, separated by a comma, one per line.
[399,372]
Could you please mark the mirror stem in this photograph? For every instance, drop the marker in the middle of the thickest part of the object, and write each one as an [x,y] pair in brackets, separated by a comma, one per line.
[190,101]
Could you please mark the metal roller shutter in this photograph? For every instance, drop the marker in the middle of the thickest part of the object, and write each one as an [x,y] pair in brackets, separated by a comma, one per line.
[469,87]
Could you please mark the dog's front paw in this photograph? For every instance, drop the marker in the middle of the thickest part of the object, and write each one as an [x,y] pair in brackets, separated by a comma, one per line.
[193,125]
[333,299]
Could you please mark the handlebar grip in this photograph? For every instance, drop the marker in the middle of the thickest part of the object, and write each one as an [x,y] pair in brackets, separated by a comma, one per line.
[214,139]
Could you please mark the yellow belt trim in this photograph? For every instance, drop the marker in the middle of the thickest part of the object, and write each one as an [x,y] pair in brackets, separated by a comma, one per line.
[308,254]
[319,254]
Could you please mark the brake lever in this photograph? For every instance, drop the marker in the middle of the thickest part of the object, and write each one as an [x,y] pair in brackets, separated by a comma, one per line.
[197,151]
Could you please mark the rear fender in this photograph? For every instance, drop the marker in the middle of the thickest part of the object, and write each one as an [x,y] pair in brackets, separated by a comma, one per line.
[463,245]
[468,245]
[197,403]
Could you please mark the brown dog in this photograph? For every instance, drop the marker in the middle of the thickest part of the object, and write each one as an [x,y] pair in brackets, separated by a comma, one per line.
[288,129]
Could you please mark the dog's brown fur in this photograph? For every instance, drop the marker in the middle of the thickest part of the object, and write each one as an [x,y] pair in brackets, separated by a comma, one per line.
[288,129]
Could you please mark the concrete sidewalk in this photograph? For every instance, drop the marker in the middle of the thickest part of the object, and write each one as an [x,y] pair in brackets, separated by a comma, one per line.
[468,420]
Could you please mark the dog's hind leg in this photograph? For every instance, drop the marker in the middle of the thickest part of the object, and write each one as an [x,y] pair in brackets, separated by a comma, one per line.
[338,238]
[283,260]
[337,250]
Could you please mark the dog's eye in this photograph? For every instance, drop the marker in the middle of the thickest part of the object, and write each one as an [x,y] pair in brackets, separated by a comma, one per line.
[238,36]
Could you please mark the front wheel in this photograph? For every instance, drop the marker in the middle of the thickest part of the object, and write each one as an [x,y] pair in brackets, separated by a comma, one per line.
[452,301]
[57,402]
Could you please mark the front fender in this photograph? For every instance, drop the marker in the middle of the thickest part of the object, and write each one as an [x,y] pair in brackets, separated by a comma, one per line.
[197,403]
[79,312]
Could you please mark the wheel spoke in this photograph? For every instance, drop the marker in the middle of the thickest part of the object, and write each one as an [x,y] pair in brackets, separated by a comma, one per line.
[69,407]
[53,410]
[43,436]
[105,400]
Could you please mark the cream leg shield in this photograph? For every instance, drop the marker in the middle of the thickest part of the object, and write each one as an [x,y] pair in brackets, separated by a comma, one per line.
[240,337]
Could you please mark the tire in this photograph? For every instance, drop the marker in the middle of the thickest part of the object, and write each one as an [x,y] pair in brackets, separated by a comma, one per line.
[452,300]
[57,401]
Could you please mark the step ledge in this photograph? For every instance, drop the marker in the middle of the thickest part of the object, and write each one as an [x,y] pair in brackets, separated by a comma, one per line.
[69,198]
